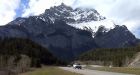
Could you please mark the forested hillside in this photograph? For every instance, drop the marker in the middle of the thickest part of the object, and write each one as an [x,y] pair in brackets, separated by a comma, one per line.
[13,49]
[114,56]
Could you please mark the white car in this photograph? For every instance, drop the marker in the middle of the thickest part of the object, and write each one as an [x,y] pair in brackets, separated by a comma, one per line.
[77,66]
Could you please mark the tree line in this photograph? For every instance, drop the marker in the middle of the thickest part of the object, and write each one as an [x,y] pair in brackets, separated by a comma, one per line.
[15,52]
[113,56]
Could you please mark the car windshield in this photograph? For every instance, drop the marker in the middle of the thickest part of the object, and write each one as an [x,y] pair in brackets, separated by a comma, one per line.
[76,64]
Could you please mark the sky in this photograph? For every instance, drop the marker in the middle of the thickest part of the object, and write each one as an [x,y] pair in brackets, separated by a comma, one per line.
[122,12]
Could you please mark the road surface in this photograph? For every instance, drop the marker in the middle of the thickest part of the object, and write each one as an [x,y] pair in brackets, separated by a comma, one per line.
[91,72]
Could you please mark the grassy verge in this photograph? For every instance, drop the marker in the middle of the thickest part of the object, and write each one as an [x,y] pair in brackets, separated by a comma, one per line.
[49,71]
[117,69]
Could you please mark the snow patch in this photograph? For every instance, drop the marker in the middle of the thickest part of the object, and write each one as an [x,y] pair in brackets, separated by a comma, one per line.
[94,25]
[43,19]
[56,14]
[52,19]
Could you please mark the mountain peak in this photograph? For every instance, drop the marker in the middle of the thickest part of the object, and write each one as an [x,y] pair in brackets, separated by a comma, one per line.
[70,15]
[63,5]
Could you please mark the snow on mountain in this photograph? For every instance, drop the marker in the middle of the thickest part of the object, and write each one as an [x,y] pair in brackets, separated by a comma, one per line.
[85,15]
[18,21]
[70,15]
[80,18]
[94,25]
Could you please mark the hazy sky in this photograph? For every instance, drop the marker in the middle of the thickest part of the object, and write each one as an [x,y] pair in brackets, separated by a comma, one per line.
[125,12]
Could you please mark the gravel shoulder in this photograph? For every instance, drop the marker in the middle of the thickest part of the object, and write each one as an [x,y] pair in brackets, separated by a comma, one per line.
[91,72]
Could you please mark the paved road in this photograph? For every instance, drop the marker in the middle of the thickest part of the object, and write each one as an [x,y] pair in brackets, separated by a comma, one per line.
[91,72]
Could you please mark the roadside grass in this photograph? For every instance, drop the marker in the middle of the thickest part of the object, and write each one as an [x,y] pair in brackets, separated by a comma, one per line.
[117,69]
[49,71]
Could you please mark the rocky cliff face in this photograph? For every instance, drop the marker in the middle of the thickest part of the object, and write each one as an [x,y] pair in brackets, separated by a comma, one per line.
[68,32]
[118,37]
[61,39]
[136,61]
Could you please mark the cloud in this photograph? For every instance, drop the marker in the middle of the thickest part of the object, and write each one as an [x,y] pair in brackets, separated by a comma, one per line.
[126,12]
[37,7]
[7,10]
[123,12]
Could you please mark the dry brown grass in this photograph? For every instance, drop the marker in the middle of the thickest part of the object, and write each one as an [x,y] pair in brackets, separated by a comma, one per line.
[49,71]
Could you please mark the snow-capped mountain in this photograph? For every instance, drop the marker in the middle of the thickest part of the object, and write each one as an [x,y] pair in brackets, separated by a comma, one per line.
[81,18]
[70,15]
[68,32]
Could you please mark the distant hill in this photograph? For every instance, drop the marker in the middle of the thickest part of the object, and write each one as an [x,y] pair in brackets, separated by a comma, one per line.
[112,56]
